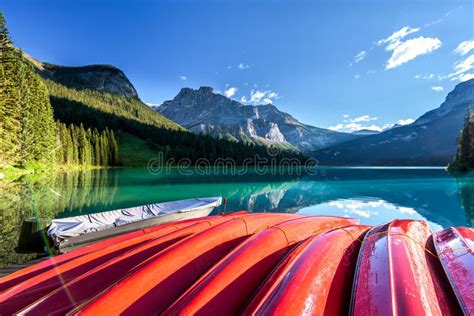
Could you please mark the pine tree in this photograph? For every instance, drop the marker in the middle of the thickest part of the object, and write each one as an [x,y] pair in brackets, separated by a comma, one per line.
[90,141]
[464,159]
[113,149]
[97,152]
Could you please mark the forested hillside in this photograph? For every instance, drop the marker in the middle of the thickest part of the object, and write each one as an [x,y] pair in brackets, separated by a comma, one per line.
[77,105]
[103,110]
[464,159]
[27,128]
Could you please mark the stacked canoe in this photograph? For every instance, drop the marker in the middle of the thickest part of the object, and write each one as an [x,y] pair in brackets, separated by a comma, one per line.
[267,263]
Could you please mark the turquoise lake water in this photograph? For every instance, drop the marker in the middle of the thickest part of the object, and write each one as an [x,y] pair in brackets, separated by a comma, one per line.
[374,195]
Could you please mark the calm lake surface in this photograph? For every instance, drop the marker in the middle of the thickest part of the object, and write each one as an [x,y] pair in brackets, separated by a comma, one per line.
[374,195]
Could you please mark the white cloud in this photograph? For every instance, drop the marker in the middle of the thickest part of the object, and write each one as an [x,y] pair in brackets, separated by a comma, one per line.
[243,66]
[230,92]
[350,125]
[354,124]
[394,40]
[339,127]
[410,49]
[461,71]
[405,121]
[465,65]
[256,96]
[404,51]
[356,76]
[360,56]
[260,97]
[229,67]
[433,22]
[464,47]
[466,77]
[354,127]
[437,88]
[183,78]
[363,118]
[370,72]
[425,77]
[152,104]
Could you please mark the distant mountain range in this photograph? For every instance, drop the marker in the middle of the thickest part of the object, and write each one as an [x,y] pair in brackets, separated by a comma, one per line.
[365,132]
[430,140]
[205,111]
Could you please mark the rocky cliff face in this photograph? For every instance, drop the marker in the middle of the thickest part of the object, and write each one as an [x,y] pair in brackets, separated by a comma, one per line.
[103,78]
[430,140]
[204,111]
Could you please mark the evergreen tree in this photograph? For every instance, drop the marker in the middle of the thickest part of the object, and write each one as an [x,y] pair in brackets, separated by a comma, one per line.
[113,149]
[97,151]
[464,141]
[464,159]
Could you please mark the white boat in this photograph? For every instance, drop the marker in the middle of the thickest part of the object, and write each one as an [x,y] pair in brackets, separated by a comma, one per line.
[72,232]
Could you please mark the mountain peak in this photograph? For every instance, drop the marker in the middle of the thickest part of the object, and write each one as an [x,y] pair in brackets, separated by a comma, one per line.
[206,89]
[205,111]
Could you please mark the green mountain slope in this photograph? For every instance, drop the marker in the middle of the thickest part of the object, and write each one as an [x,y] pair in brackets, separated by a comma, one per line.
[117,105]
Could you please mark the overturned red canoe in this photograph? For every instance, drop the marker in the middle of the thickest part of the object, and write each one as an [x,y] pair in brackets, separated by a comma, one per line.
[393,275]
[455,248]
[314,277]
[256,264]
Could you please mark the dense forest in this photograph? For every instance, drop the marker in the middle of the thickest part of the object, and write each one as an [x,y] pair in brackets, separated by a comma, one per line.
[27,128]
[464,159]
[86,147]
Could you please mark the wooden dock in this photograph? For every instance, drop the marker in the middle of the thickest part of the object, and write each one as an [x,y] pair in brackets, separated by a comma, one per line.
[13,268]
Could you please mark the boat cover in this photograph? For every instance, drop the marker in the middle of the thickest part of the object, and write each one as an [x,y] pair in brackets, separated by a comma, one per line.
[64,228]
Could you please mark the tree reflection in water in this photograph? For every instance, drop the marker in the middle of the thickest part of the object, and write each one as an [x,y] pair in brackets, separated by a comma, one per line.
[44,197]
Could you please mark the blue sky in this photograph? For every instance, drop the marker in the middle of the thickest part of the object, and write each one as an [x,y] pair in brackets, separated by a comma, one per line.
[340,64]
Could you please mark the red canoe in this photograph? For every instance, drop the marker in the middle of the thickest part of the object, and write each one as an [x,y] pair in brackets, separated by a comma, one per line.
[394,273]
[315,277]
[455,248]
[253,264]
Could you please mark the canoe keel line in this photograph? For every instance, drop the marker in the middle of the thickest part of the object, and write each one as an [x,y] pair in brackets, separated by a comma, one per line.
[255,264]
